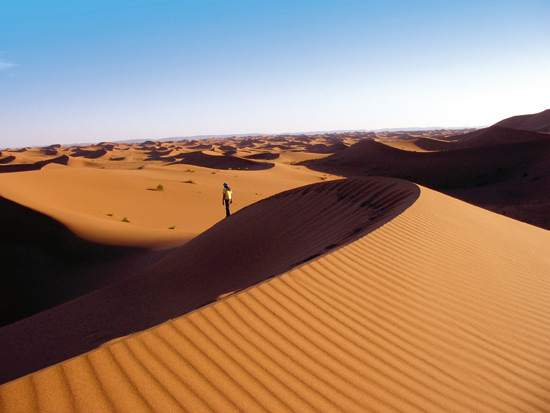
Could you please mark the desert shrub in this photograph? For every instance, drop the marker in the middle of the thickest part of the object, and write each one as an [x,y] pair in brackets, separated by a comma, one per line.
[160,187]
[125,219]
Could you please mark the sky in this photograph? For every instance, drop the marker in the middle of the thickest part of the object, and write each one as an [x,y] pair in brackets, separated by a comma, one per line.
[109,70]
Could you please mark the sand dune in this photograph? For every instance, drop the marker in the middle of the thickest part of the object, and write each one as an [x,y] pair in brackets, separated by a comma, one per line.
[61,160]
[444,308]
[495,135]
[538,122]
[459,168]
[222,162]
[44,264]
[267,156]
[123,281]
[93,200]
[261,241]
[89,154]
[7,159]
[512,178]
[323,148]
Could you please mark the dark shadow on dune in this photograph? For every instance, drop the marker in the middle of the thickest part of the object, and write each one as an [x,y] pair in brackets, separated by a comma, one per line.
[7,159]
[511,178]
[429,144]
[160,155]
[202,147]
[44,264]
[472,167]
[258,242]
[106,145]
[322,148]
[266,156]
[494,135]
[89,154]
[221,162]
[537,122]
[62,160]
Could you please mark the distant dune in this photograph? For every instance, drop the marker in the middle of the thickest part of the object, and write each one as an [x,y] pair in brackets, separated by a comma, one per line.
[61,160]
[501,169]
[222,162]
[440,170]
[267,156]
[495,135]
[538,122]
[7,159]
[89,154]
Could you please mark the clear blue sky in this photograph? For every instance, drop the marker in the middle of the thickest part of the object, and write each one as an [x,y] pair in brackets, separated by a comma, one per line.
[100,70]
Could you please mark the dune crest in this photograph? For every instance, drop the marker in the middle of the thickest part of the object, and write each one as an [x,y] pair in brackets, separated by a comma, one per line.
[538,122]
[222,162]
[259,242]
[61,160]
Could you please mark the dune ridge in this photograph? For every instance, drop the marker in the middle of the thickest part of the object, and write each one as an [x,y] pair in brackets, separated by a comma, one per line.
[495,135]
[222,162]
[509,178]
[61,160]
[259,242]
[538,122]
[411,317]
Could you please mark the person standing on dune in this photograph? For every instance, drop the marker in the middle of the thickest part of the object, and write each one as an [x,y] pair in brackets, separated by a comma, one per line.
[227,198]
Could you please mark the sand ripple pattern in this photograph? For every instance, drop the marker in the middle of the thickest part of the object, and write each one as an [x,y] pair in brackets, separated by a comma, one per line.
[259,242]
[411,317]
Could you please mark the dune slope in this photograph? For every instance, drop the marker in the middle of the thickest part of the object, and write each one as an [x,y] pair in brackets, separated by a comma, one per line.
[495,135]
[258,242]
[222,162]
[539,122]
[44,264]
[61,160]
[512,178]
[445,308]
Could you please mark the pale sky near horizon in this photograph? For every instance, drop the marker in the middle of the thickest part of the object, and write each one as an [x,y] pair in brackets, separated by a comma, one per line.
[107,70]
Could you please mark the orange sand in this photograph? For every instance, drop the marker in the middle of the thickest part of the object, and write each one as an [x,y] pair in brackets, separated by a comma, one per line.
[352,295]
[92,202]
[445,308]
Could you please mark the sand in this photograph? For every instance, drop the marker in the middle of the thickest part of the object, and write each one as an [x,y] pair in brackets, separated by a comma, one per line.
[413,316]
[317,294]
[261,241]
[93,202]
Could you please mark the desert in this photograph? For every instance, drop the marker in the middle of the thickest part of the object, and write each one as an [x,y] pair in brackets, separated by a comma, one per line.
[358,271]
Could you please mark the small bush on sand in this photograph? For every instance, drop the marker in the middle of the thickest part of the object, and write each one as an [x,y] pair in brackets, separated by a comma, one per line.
[190,182]
[125,219]
[172,227]
[160,187]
